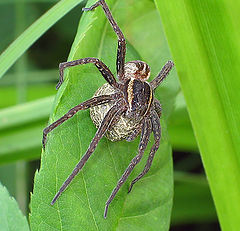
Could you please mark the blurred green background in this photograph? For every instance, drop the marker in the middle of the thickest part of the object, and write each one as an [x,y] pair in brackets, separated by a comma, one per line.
[27,91]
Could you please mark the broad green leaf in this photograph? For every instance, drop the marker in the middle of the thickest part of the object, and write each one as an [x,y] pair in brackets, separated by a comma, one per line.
[204,40]
[11,218]
[29,36]
[81,206]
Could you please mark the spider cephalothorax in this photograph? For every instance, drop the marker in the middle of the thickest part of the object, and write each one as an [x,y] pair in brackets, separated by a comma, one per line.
[120,109]
[137,69]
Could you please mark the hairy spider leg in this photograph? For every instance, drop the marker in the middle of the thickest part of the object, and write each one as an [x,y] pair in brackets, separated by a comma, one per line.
[134,134]
[106,73]
[121,51]
[146,131]
[162,75]
[157,107]
[156,127]
[82,106]
[118,108]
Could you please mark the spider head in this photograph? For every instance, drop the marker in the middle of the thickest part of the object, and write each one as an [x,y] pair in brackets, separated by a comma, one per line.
[137,70]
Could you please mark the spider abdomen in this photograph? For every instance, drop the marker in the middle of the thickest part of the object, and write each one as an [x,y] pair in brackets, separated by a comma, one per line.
[123,128]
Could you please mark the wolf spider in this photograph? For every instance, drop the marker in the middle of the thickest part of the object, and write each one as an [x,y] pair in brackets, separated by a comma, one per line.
[132,101]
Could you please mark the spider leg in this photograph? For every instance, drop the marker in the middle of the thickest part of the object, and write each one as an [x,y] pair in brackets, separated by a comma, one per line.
[82,106]
[118,108]
[134,134]
[157,107]
[106,73]
[121,51]
[162,75]
[146,130]
[157,135]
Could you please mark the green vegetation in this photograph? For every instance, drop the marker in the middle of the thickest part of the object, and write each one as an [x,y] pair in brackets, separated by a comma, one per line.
[209,76]
[11,216]
[200,37]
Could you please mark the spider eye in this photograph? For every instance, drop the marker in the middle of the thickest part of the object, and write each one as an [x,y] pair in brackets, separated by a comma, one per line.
[137,70]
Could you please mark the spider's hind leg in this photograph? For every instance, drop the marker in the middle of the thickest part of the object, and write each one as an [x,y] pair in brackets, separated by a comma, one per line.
[121,51]
[117,109]
[146,131]
[157,107]
[134,134]
[157,135]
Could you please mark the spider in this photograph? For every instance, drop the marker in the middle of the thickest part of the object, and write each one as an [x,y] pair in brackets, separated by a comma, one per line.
[131,107]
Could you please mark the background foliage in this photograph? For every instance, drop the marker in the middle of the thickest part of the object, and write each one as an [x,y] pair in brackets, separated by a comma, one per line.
[203,41]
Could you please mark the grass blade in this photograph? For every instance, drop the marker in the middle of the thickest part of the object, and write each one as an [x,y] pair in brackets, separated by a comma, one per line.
[25,113]
[21,144]
[204,40]
[29,36]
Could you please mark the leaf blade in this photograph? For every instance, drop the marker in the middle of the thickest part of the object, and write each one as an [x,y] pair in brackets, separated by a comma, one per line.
[10,214]
[29,36]
[210,88]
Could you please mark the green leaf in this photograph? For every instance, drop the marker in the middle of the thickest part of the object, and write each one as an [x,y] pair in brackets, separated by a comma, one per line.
[81,206]
[11,218]
[29,36]
[204,39]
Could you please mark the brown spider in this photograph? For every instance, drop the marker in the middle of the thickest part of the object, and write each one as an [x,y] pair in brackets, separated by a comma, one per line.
[132,107]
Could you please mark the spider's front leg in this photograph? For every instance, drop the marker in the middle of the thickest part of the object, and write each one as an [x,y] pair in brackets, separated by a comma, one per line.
[83,106]
[146,131]
[106,73]
[162,75]
[121,51]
